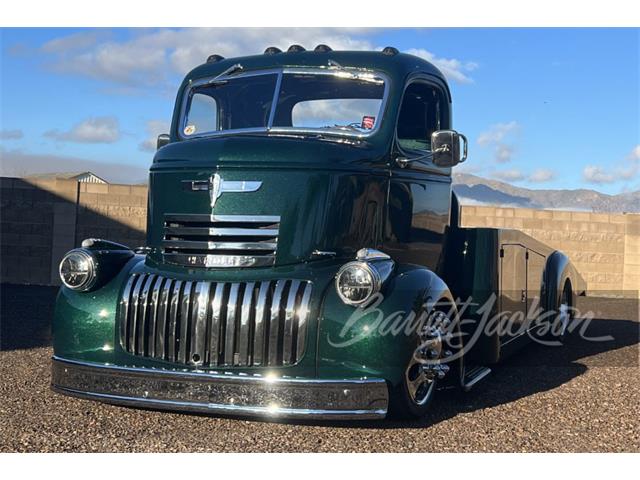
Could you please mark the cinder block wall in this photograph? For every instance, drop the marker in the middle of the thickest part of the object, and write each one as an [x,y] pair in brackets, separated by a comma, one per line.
[40,220]
[604,247]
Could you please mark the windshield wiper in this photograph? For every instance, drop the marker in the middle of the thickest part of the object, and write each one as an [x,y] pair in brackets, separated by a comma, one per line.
[229,71]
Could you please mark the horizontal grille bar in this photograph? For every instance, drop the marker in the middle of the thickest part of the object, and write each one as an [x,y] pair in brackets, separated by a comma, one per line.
[212,324]
[218,241]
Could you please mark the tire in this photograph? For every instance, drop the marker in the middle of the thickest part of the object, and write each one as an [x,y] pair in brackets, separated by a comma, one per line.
[554,328]
[410,400]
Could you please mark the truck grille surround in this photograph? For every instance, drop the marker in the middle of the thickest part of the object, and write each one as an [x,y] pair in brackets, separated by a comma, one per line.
[219,241]
[215,324]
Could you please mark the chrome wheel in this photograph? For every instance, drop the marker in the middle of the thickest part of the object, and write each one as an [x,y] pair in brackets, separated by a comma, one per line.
[426,366]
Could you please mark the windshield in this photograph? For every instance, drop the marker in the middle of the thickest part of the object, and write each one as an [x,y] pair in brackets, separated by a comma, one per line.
[336,102]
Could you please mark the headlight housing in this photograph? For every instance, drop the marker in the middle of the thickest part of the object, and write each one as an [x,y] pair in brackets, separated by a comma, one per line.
[358,281]
[78,270]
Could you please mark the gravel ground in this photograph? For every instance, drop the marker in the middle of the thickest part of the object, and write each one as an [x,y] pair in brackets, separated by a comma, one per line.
[583,397]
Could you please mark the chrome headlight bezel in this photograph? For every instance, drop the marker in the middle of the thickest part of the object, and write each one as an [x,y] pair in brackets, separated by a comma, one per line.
[376,263]
[376,281]
[92,270]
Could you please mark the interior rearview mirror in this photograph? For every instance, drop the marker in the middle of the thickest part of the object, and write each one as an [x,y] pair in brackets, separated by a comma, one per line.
[445,148]
[163,139]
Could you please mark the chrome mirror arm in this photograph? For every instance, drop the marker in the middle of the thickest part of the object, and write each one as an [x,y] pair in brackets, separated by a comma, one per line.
[404,161]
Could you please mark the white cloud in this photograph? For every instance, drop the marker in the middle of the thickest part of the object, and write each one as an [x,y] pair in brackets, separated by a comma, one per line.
[496,137]
[153,129]
[626,171]
[594,174]
[542,175]
[91,130]
[503,153]
[496,133]
[455,70]
[512,175]
[11,134]
[152,58]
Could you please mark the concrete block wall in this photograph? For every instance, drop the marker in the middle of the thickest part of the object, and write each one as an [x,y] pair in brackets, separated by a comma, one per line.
[604,247]
[40,220]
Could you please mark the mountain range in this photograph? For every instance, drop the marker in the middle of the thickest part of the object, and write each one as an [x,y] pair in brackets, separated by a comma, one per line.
[474,190]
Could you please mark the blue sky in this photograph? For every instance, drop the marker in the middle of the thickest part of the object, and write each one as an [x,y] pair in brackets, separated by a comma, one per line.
[542,108]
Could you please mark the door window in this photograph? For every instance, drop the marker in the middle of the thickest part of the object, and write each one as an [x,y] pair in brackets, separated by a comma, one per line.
[421,114]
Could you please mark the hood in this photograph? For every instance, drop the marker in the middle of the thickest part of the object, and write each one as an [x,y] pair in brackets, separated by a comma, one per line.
[278,201]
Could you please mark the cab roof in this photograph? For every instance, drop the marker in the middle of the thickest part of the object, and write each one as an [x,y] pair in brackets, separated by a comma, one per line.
[390,62]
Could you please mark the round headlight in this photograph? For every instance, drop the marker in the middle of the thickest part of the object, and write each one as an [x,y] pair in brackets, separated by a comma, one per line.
[356,282]
[78,270]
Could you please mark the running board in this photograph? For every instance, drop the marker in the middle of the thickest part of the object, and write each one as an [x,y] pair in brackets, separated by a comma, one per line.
[473,376]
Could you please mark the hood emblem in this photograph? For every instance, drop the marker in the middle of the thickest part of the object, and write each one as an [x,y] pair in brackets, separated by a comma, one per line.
[216,186]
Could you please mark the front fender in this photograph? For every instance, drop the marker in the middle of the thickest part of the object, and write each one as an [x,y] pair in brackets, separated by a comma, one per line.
[378,340]
[84,323]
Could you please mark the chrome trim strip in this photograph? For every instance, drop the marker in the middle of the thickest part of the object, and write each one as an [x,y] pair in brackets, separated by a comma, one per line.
[131,334]
[229,232]
[199,324]
[144,299]
[197,217]
[245,325]
[214,337]
[163,311]
[173,320]
[274,323]
[184,325]
[198,245]
[258,334]
[123,312]
[230,326]
[153,317]
[219,261]
[216,393]
[303,315]
[287,343]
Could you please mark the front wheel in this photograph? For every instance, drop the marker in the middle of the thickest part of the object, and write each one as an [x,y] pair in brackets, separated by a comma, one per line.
[427,367]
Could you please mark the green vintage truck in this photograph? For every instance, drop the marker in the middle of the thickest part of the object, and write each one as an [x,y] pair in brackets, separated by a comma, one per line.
[304,256]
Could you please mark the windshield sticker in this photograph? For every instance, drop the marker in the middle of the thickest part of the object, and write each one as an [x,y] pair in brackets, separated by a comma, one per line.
[368,122]
[189,129]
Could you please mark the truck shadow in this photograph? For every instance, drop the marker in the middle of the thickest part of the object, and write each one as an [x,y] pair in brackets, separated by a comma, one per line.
[536,368]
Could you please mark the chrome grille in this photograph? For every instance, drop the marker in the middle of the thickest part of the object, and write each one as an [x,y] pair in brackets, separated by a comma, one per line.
[220,240]
[215,324]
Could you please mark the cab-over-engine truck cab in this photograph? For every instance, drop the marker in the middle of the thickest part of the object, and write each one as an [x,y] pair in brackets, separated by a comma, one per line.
[304,254]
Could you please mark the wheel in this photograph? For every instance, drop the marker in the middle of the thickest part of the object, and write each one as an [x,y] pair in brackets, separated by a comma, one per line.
[564,312]
[427,367]
[554,328]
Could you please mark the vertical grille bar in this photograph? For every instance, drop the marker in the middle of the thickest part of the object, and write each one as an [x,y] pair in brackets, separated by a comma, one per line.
[287,343]
[230,327]
[245,325]
[199,323]
[131,337]
[303,316]
[258,335]
[183,346]
[153,317]
[142,320]
[163,311]
[214,336]
[274,322]
[123,312]
[173,321]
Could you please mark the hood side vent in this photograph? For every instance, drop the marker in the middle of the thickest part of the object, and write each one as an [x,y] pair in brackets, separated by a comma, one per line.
[220,241]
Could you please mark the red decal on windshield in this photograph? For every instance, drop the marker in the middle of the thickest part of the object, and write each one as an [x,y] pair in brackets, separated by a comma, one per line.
[368,122]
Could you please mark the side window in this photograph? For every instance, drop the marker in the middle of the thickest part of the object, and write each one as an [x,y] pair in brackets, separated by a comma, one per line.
[420,115]
[202,116]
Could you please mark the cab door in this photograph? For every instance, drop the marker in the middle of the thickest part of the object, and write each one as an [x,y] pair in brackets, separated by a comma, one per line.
[419,191]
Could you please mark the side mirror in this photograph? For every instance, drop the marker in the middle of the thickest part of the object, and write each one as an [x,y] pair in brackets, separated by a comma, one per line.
[163,139]
[445,148]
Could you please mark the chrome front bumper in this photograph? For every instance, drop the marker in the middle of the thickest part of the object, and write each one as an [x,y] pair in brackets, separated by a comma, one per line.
[221,393]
